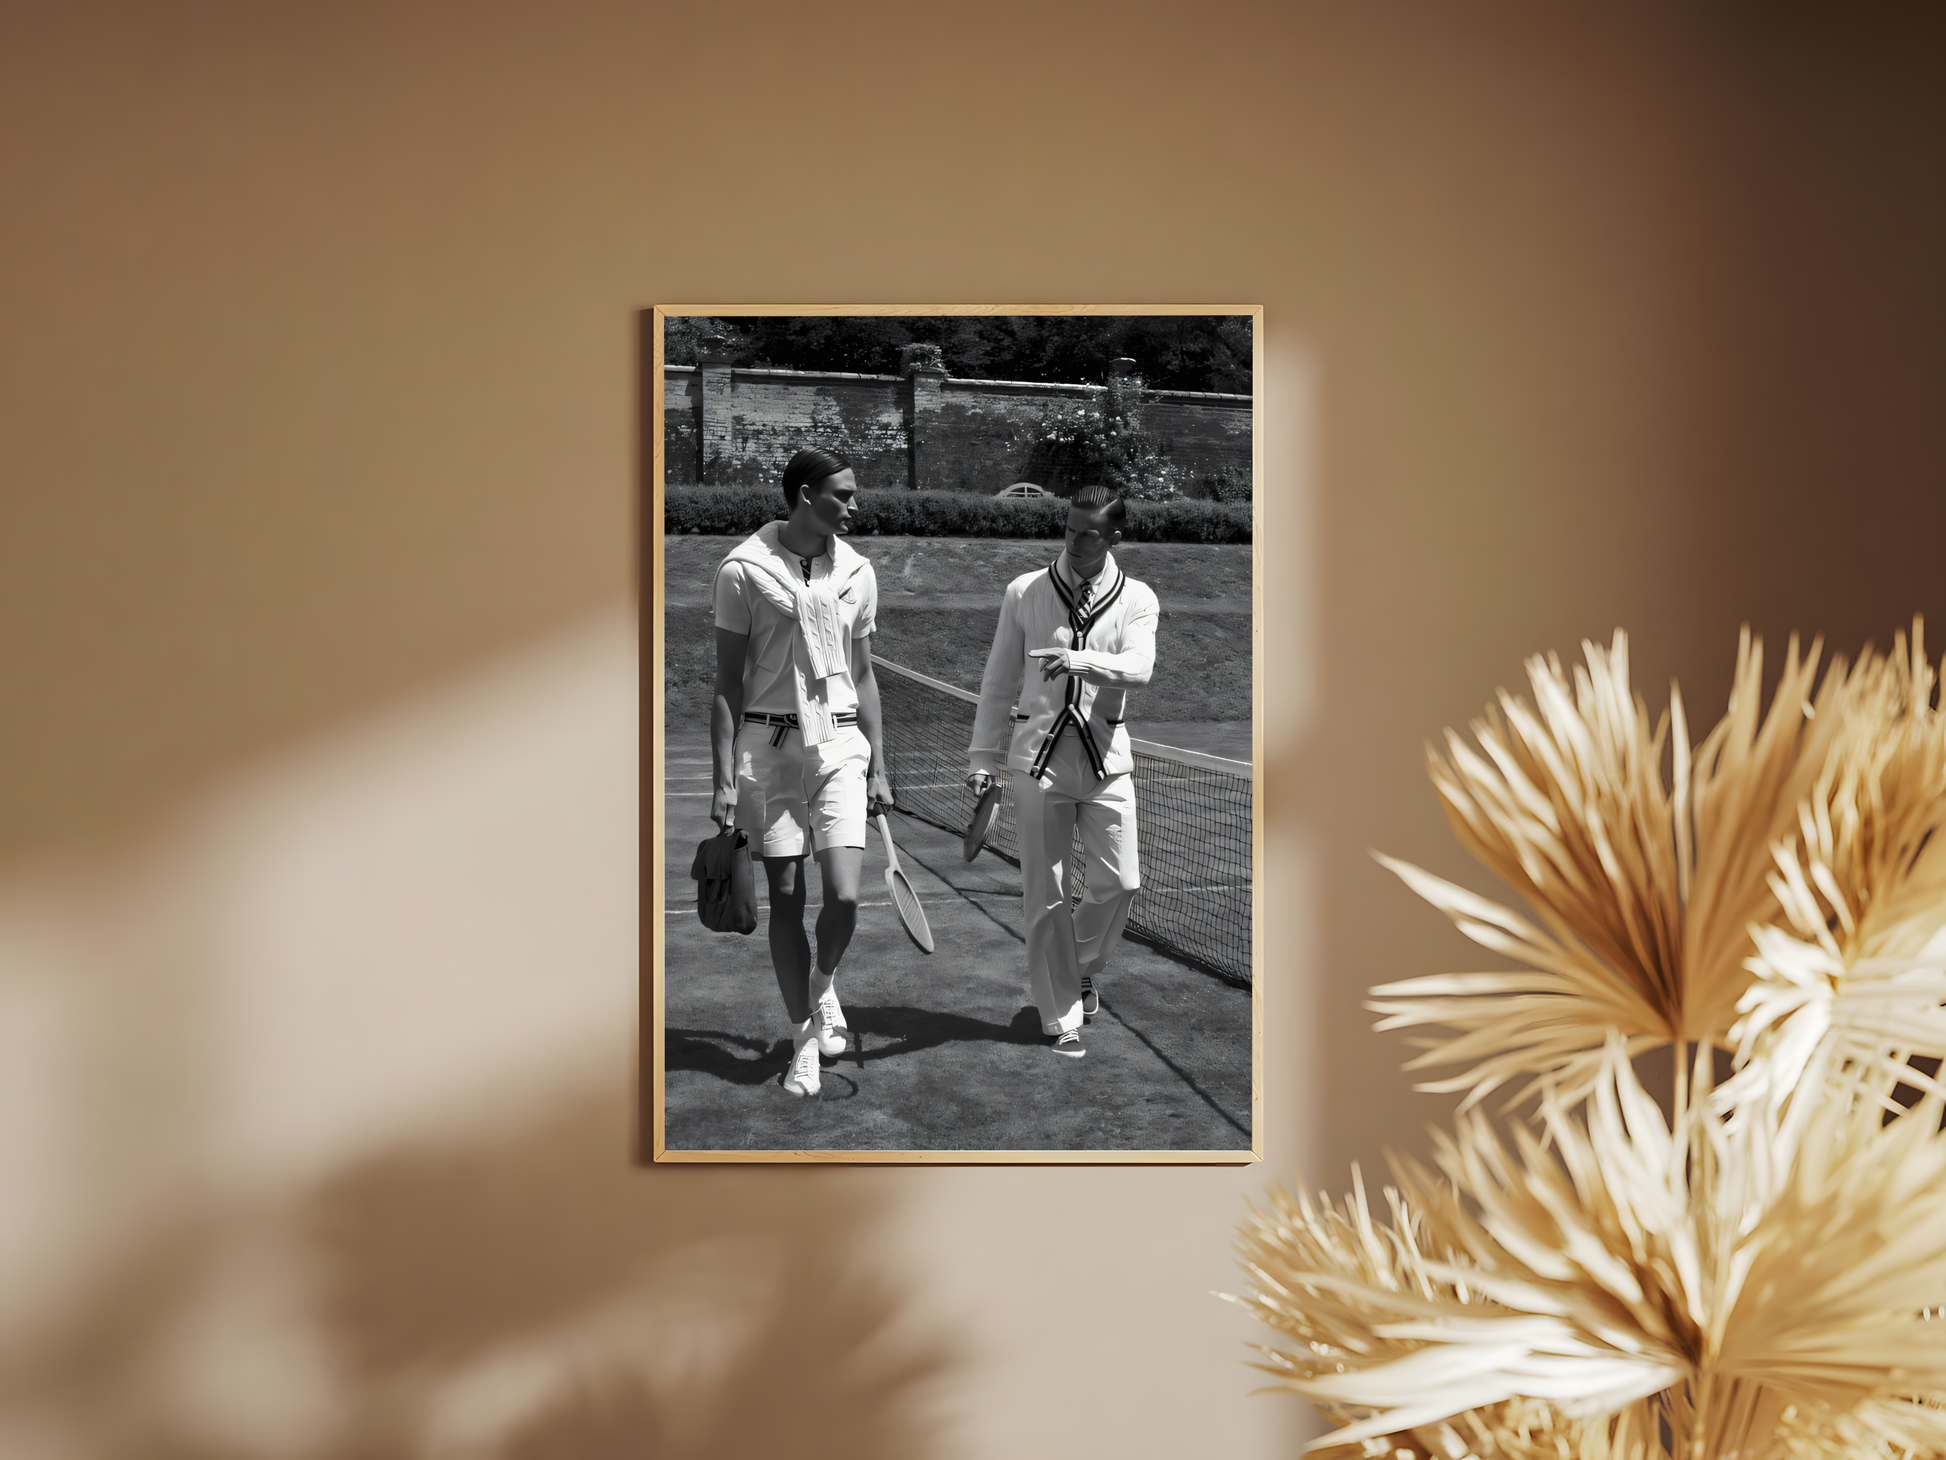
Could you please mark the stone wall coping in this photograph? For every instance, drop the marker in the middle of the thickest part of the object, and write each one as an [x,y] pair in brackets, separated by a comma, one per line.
[754,374]
[964,382]
[1211,395]
[968,382]
[741,373]
[1020,387]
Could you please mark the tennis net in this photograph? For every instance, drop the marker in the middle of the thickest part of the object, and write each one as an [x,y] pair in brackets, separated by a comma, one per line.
[1194,820]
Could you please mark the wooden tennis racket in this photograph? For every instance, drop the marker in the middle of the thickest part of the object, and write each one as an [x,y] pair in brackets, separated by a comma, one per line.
[982,823]
[903,897]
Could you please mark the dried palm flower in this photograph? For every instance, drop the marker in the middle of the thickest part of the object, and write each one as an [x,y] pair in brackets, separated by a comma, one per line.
[1764,1272]
[1814,822]
[1856,966]
[1626,1287]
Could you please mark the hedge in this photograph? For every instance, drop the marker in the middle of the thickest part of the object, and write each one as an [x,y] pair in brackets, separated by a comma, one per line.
[734,511]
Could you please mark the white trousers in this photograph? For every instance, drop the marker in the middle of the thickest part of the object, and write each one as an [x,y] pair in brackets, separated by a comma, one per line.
[1064,942]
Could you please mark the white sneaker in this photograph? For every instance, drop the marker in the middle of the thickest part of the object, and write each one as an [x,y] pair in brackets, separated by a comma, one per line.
[1090,1000]
[802,1077]
[828,1021]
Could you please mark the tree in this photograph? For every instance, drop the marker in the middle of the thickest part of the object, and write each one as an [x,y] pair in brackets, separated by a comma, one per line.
[1171,352]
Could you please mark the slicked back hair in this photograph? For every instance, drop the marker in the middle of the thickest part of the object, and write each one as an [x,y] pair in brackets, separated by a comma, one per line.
[1099,499]
[811,464]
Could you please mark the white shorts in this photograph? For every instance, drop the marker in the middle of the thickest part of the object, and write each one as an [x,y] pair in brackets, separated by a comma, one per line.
[793,798]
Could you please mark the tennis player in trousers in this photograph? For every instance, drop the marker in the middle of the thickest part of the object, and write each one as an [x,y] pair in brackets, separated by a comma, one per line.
[794,733]
[1072,640]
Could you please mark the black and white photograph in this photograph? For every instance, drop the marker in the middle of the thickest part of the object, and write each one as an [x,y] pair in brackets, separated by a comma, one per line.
[952,750]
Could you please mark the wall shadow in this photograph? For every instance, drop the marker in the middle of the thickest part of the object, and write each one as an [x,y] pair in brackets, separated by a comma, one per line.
[315,1128]
[528,1295]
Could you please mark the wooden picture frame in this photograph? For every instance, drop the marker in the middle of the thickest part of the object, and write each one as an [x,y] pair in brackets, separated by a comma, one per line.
[935,1071]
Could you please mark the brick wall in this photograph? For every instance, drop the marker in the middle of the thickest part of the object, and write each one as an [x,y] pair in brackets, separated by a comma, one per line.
[978,437]
[923,429]
[1204,432]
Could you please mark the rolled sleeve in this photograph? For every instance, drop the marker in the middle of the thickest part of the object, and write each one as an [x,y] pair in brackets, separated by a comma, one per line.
[732,599]
[867,621]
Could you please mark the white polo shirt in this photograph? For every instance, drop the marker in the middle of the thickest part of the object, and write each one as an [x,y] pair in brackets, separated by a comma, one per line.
[753,587]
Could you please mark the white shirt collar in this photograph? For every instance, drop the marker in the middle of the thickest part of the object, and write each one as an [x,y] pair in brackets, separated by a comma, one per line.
[1100,580]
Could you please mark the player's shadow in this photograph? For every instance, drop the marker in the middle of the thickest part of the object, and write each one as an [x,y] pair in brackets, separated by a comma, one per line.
[879,1032]
[883,1032]
[736,1058]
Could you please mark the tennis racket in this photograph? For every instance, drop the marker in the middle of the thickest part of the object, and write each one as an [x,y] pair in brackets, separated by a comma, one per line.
[903,897]
[983,814]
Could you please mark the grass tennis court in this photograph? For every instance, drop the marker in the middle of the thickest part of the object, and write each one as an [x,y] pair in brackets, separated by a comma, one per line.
[939,599]
[949,1054]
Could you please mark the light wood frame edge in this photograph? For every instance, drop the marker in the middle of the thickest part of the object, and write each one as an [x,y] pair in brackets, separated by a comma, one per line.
[651,975]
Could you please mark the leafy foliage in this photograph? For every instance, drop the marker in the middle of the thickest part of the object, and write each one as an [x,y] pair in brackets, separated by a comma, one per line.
[1103,439]
[1172,352]
[1188,520]
[1228,484]
[723,511]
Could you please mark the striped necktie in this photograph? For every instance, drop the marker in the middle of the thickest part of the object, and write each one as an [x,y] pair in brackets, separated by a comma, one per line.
[1078,613]
[1071,714]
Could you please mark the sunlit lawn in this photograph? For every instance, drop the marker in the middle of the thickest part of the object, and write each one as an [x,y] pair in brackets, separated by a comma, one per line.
[1202,657]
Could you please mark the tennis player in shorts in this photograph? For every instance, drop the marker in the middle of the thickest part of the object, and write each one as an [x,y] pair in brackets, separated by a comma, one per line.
[1073,639]
[794,733]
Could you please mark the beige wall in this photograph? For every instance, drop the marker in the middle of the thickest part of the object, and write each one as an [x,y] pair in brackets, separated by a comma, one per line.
[318,793]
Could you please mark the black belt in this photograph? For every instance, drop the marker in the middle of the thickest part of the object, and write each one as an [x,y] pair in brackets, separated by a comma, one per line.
[786,723]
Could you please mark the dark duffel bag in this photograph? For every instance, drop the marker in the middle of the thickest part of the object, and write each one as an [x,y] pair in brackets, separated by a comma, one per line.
[726,887]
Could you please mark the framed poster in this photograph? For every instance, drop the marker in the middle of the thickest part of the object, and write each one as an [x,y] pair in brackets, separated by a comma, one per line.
[902,565]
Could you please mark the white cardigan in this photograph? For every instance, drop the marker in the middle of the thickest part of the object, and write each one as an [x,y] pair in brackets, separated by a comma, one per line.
[1117,652]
